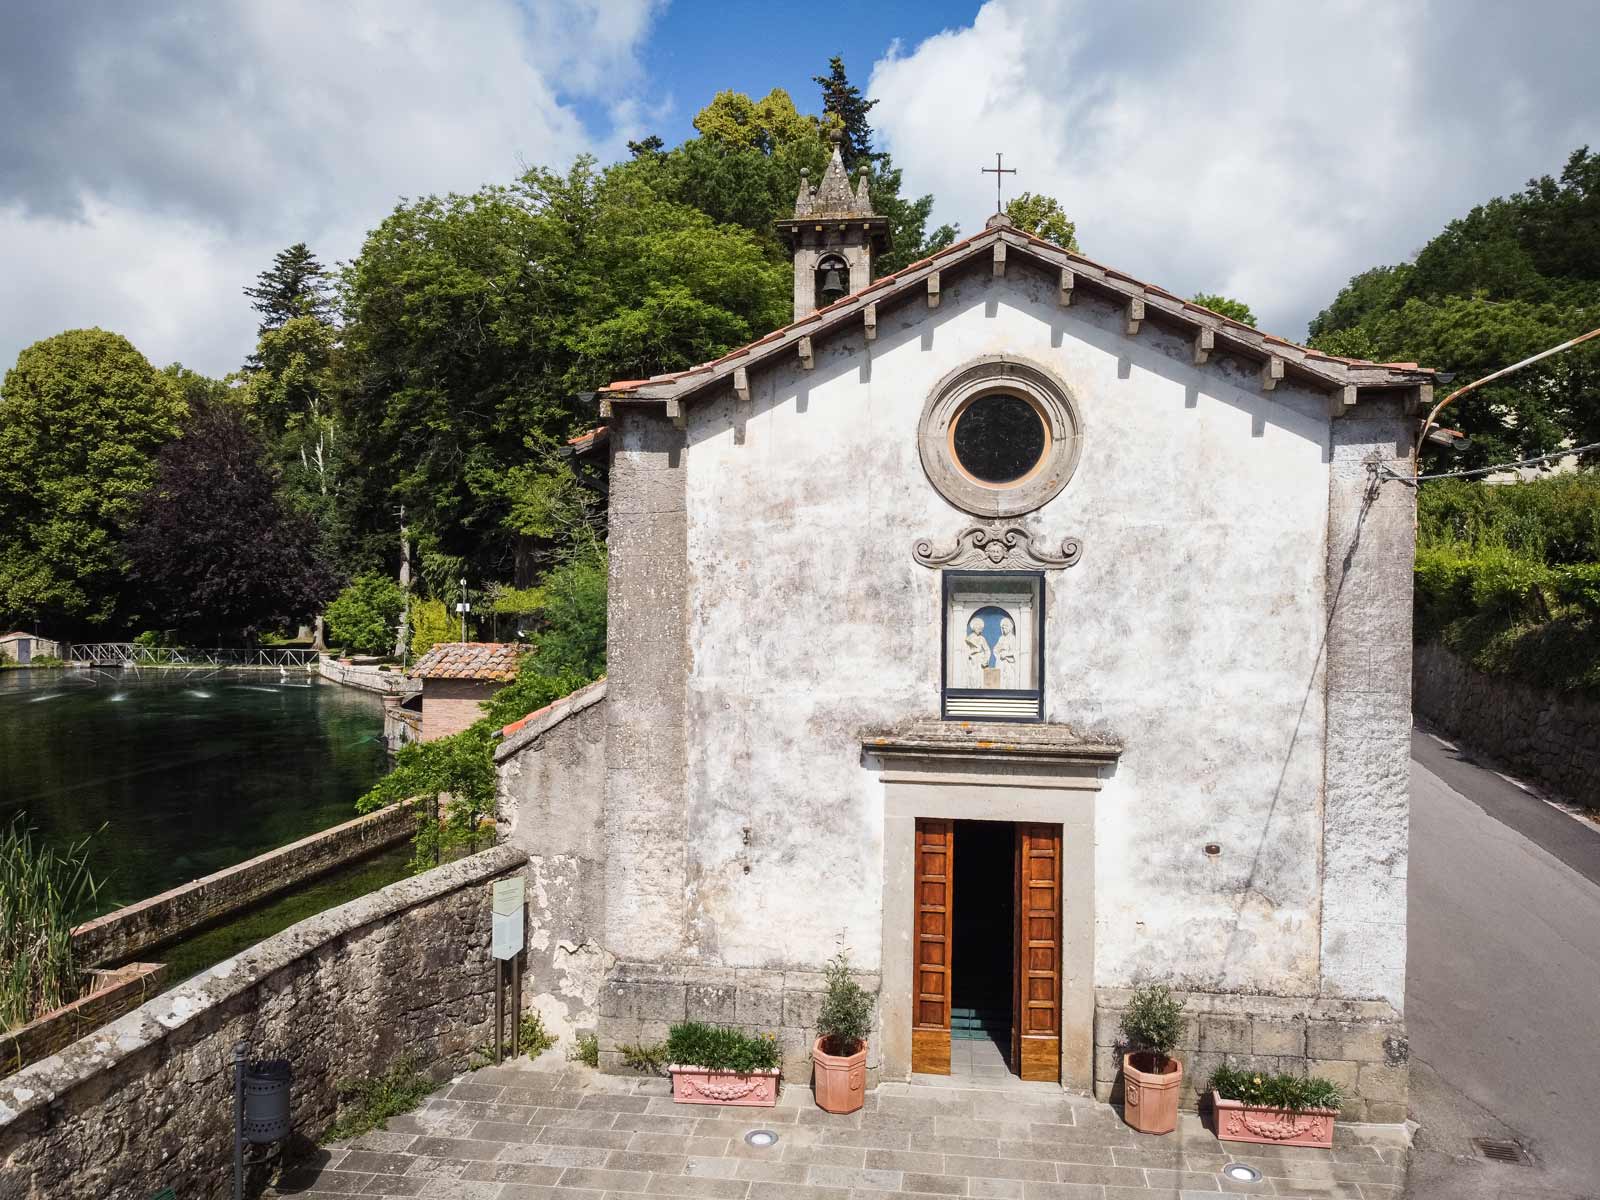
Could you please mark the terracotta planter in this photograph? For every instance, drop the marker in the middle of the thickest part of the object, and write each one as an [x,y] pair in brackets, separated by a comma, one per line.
[696,1085]
[1150,1098]
[839,1080]
[1241,1122]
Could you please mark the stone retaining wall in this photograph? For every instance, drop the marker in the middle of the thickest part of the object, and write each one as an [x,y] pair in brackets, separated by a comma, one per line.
[110,994]
[1358,1044]
[368,678]
[1552,737]
[145,1103]
[641,1000]
[120,935]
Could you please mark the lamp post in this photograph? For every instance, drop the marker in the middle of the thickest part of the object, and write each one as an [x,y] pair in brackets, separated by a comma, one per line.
[463,608]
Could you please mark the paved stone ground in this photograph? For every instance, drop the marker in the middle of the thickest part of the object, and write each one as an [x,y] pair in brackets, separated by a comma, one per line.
[557,1131]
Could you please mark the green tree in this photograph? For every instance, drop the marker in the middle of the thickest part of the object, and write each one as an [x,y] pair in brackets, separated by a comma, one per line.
[908,218]
[845,104]
[82,415]
[292,396]
[473,322]
[296,285]
[432,622]
[214,549]
[1043,217]
[362,617]
[1237,310]
[1514,276]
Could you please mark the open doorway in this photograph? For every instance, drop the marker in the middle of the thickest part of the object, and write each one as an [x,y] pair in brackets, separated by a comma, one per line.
[983,949]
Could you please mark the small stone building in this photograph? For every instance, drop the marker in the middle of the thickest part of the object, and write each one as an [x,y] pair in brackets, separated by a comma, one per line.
[22,648]
[1027,630]
[457,677]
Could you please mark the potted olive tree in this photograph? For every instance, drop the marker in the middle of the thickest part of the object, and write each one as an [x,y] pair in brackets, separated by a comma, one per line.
[1151,1077]
[839,1055]
[1276,1110]
[712,1064]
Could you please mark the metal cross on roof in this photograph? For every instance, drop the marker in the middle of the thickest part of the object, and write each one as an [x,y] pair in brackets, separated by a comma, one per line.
[997,170]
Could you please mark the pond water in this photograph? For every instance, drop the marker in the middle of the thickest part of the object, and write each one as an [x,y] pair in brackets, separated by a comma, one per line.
[189,771]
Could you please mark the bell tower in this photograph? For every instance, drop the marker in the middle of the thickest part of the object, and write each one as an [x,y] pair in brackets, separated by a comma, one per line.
[834,234]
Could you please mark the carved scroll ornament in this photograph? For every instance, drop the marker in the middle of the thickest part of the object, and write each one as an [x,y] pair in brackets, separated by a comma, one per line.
[1006,547]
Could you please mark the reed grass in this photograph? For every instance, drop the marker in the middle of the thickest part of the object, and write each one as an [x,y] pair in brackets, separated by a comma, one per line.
[44,891]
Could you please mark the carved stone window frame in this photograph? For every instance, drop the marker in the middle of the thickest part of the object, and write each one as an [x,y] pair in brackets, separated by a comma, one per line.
[1009,374]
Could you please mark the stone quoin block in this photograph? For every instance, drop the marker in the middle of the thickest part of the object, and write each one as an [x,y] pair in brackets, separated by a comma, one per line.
[660,1002]
[1224,1035]
[1345,1074]
[758,1006]
[1270,1035]
[1339,1039]
[714,1005]
[1379,1083]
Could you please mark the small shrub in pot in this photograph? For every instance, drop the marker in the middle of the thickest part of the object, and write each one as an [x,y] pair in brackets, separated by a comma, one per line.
[1152,1024]
[839,1055]
[712,1064]
[1276,1110]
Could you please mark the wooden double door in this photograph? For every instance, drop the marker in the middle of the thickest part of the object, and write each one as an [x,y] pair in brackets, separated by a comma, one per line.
[1035,1050]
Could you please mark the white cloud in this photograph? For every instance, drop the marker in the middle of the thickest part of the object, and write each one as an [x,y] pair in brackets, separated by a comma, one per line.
[170,151]
[1251,148]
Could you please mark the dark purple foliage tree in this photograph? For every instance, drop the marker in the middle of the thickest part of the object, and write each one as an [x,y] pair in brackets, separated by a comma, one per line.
[214,550]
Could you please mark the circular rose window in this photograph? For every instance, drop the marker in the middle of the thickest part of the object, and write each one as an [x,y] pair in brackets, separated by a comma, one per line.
[999,437]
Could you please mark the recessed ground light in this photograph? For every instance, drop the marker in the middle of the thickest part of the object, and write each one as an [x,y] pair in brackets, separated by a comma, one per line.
[765,1137]
[1241,1173]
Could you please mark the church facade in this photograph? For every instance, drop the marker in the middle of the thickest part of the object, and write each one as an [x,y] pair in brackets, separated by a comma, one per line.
[1027,631]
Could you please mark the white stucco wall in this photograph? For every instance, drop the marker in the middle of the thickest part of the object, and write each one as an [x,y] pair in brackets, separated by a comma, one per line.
[1191,631]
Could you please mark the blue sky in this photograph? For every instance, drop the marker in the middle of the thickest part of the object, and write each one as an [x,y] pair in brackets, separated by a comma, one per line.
[697,49]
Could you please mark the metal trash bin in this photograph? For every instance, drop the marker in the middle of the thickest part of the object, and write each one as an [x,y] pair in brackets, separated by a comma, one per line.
[266,1100]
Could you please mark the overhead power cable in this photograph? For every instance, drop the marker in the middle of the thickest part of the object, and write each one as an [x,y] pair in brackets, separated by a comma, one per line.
[1521,462]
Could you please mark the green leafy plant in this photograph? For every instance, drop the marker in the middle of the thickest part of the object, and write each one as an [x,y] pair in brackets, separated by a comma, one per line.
[722,1048]
[367,1104]
[44,892]
[363,616]
[845,1018]
[1295,1093]
[533,1039]
[586,1051]
[1153,1024]
[649,1058]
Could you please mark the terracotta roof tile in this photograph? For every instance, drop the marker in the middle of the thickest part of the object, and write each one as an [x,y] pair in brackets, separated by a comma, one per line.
[960,247]
[489,661]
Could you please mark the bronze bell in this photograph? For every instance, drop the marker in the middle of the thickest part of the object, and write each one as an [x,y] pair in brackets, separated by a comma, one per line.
[832,286]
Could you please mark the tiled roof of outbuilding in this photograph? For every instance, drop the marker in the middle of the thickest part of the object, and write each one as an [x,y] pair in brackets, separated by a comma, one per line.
[491,661]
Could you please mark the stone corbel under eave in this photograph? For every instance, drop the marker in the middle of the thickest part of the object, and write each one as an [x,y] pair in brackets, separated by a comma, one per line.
[997,546]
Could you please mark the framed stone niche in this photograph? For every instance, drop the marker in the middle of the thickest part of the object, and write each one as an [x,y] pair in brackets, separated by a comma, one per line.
[999,436]
[993,646]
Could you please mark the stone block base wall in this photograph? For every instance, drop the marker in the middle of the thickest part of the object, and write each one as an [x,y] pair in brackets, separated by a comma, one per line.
[1358,1044]
[1550,736]
[641,1000]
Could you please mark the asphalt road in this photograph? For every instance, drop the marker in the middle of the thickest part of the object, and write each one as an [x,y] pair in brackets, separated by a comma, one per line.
[1502,984]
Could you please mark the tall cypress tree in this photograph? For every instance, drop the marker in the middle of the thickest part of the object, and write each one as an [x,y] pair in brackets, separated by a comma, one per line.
[296,285]
[842,99]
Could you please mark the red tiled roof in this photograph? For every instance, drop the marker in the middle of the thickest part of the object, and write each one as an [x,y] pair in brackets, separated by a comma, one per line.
[1093,273]
[507,730]
[489,661]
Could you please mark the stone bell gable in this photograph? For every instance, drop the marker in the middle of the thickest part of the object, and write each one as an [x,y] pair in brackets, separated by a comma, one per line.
[1010,544]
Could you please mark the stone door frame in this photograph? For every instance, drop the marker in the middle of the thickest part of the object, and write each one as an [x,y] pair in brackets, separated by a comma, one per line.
[1062,794]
